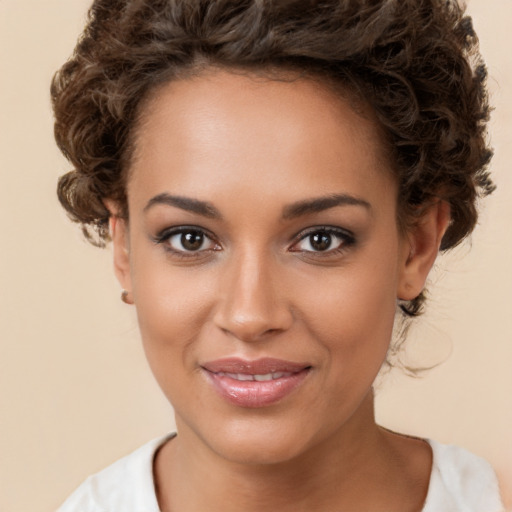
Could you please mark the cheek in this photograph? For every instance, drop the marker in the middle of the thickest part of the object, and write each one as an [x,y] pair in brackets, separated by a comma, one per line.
[173,305]
[355,315]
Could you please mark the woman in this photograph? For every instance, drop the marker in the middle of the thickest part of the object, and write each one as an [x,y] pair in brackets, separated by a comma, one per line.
[277,179]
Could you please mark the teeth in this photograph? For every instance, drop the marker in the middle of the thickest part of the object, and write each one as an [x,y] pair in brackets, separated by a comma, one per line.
[261,378]
[242,376]
[258,378]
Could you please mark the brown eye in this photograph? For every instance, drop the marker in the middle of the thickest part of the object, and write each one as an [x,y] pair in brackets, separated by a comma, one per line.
[192,241]
[187,240]
[328,240]
[320,241]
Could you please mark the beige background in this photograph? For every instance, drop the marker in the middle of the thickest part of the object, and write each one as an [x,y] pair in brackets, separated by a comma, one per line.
[75,392]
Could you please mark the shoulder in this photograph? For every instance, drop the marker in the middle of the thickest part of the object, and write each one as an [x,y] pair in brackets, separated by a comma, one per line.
[461,481]
[126,485]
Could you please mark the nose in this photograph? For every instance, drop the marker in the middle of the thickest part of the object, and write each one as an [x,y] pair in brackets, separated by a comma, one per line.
[252,301]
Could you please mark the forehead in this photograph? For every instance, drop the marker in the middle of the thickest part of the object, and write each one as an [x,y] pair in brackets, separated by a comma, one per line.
[249,131]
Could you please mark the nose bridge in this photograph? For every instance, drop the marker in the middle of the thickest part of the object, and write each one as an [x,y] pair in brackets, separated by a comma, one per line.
[252,304]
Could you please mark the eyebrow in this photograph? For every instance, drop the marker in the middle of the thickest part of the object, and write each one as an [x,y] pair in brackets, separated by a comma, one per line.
[185,203]
[304,207]
[320,204]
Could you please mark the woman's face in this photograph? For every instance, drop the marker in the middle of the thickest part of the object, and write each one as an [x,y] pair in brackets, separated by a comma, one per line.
[264,259]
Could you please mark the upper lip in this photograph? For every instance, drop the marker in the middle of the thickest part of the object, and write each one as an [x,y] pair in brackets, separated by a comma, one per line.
[261,366]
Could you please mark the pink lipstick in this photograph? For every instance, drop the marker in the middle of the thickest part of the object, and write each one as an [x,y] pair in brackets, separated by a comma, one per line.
[255,383]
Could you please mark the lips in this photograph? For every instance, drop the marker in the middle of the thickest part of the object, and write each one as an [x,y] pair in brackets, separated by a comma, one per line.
[256,383]
[257,377]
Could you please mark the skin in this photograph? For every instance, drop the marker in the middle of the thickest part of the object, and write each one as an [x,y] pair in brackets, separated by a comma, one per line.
[252,149]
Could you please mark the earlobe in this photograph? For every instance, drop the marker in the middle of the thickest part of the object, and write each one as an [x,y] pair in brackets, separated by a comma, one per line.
[423,242]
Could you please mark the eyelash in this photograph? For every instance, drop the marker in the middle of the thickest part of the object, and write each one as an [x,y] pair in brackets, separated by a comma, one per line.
[346,238]
[167,234]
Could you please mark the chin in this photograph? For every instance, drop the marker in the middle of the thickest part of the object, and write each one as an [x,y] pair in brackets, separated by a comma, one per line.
[257,450]
[258,441]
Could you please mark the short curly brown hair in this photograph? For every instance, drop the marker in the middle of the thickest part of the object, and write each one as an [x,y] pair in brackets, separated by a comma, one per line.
[415,62]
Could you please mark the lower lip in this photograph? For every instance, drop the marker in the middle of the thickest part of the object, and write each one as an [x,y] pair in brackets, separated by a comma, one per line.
[256,393]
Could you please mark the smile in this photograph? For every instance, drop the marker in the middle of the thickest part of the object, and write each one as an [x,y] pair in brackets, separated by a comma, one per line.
[257,383]
[258,377]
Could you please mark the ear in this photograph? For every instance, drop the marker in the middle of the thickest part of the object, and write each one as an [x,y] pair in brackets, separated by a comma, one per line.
[422,246]
[121,246]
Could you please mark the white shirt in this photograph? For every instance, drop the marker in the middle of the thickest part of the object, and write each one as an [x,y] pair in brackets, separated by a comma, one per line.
[459,482]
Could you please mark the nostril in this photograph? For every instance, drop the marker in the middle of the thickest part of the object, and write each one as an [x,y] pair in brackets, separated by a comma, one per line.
[251,306]
[249,331]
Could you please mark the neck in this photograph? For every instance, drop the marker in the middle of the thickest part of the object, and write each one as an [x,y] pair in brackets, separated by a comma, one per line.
[347,470]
